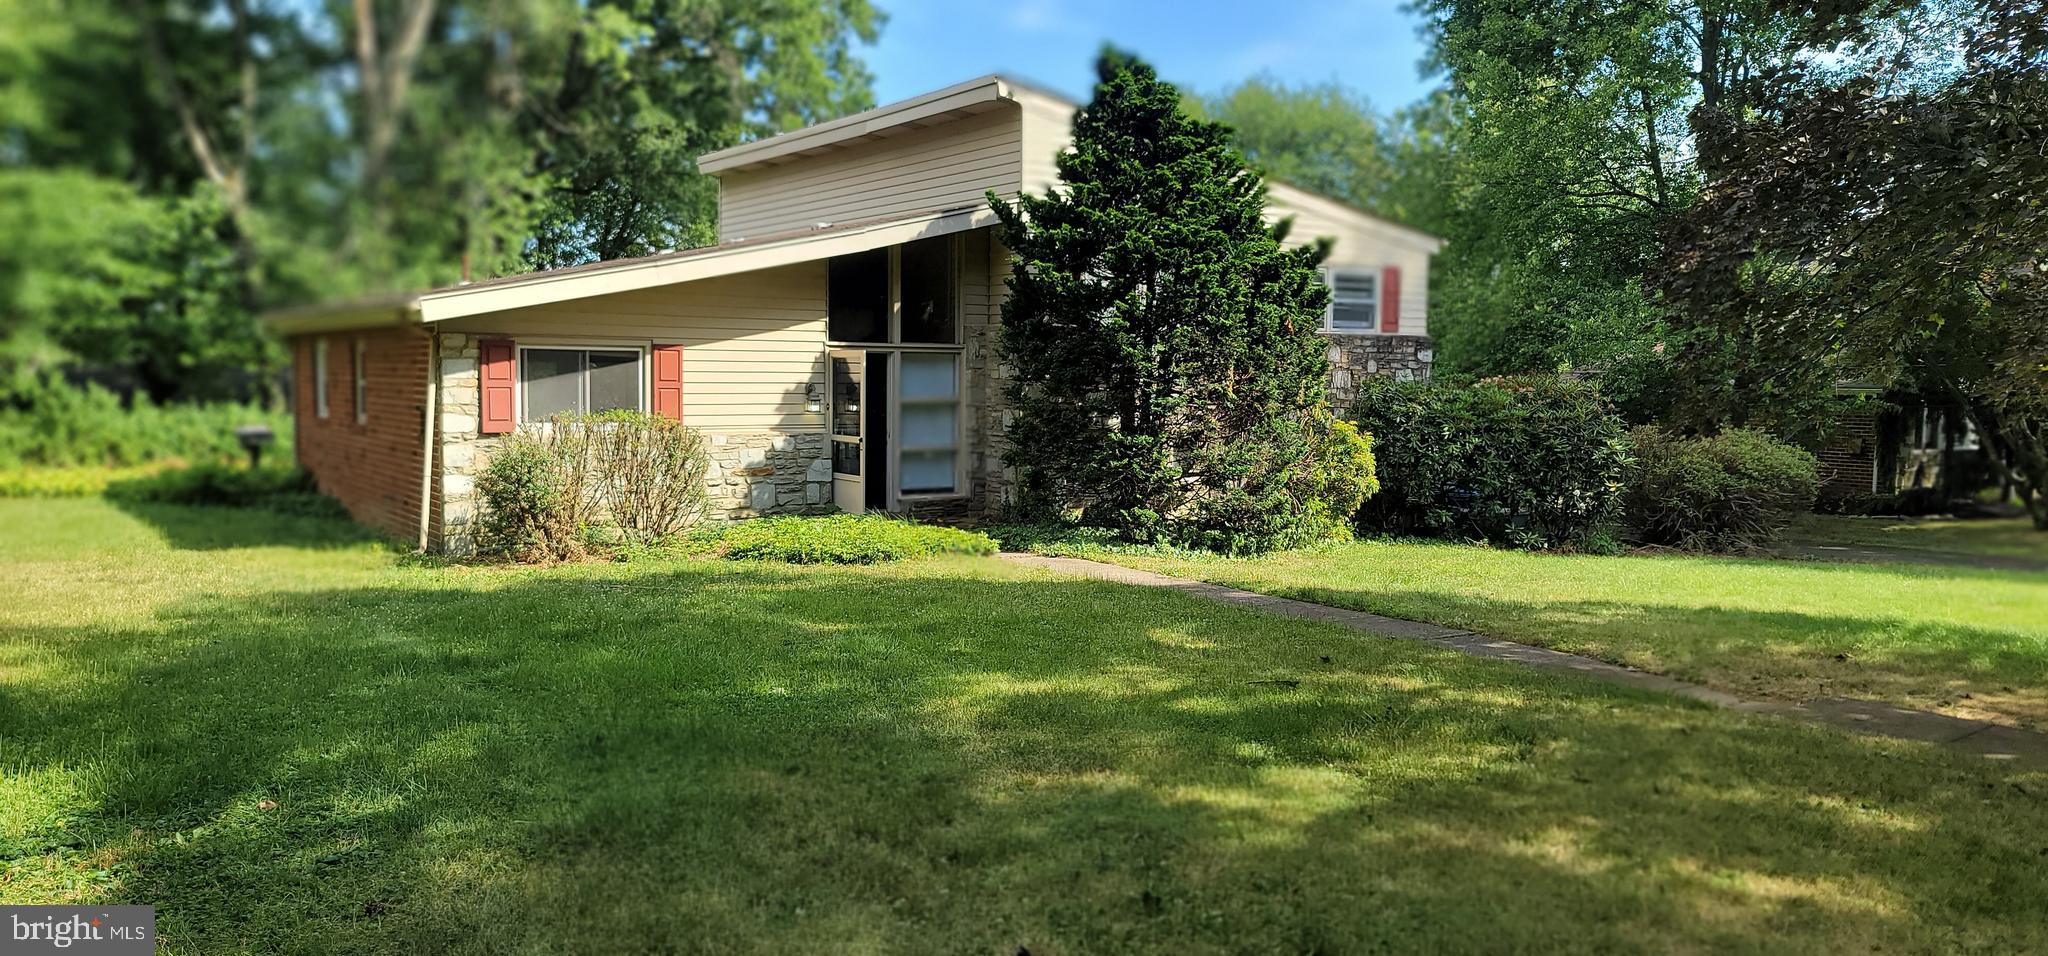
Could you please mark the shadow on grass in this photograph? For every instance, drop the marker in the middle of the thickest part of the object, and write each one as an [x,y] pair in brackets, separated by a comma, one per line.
[737,757]
[211,528]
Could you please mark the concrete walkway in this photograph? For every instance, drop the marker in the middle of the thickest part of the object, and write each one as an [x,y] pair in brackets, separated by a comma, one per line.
[1987,740]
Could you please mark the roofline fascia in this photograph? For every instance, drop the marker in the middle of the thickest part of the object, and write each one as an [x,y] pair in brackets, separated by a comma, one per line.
[1422,240]
[981,89]
[545,289]
[398,310]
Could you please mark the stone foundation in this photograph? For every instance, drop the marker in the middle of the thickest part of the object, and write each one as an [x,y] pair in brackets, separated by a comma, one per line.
[1354,357]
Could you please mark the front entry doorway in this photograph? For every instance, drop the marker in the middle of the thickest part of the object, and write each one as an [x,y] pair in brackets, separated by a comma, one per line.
[860,430]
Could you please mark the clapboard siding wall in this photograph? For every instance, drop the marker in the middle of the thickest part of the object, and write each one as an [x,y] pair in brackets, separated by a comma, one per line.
[751,342]
[943,166]
[1361,241]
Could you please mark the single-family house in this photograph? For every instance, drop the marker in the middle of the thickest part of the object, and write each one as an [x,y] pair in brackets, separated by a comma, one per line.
[836,346]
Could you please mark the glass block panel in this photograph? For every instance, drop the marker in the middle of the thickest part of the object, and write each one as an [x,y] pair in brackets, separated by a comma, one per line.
[928,377]
[929,425]
[927,472]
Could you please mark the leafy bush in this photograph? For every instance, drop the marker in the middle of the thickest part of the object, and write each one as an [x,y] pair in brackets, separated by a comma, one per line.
[1325,493]
[844,539]
[57,424]
[83,482]
[271,487]
[650,472]
[1735,490]
[1534,461]
[580,481]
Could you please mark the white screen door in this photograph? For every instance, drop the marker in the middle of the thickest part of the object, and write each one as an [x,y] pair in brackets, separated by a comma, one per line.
[847,371]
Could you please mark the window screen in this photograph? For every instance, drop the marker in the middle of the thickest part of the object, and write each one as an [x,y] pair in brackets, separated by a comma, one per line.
[578,381]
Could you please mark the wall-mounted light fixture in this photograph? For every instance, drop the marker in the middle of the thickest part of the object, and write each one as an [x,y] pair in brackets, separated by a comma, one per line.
[814,397]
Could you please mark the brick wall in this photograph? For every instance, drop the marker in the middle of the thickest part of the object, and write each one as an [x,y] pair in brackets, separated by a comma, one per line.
[1848,465]
[371,466]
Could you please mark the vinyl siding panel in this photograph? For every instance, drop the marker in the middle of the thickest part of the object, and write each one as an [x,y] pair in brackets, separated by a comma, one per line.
[751,342]
[1048,129]
[1363,242]
[943,166]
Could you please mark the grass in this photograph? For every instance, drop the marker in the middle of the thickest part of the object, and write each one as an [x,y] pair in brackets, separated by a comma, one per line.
[288,738]
[1948,537]
[1966,641]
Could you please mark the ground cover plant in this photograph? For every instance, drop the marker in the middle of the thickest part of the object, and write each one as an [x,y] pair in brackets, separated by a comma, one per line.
[841,539]
[286,737]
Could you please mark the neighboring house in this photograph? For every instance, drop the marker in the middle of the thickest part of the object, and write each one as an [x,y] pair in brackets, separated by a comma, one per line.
[837,347]
[1902,442]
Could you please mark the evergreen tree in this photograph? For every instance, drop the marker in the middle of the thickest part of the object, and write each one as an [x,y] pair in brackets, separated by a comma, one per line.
[1168,379]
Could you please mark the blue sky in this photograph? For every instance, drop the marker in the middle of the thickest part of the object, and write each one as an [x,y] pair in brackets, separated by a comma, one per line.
[1370,46]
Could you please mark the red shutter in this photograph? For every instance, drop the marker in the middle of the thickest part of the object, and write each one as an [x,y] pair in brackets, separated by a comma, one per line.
[1390,299]
[668,381]
[496,371]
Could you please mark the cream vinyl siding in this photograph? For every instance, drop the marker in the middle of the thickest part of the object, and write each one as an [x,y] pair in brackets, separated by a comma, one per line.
[1048,129]
[751,342]
[1362,242]
[942,166]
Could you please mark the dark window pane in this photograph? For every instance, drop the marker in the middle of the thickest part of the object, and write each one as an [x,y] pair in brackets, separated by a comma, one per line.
[614,381]
[846,375]
[552,380]
[846,457]
[857,297]
[929,297]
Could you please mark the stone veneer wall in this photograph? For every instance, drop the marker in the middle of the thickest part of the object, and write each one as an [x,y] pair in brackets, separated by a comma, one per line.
[752,473]
[1353,357]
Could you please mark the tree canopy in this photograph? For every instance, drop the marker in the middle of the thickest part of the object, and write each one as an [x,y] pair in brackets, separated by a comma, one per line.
[1168,379]
[186,163]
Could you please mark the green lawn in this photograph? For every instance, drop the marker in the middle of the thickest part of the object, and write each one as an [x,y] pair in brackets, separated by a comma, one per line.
[288,739]
[1943,537]
[1966,641]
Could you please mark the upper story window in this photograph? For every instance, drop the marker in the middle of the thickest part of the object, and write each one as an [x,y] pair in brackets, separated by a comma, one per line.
[1354,300]
[578,381]
[908,294]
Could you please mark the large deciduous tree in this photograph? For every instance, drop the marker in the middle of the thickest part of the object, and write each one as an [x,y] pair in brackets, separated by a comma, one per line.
[1168,379]
[1863,229]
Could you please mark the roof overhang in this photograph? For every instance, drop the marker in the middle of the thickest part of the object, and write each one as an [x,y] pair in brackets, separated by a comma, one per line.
[976,95]
[1398,233]
[768,252]
[387,310]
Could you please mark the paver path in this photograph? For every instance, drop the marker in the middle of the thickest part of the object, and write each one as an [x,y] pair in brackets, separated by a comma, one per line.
[1991,741]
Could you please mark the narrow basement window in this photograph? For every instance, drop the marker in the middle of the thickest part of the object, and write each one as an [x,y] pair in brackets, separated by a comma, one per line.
[360,390]
[320,377]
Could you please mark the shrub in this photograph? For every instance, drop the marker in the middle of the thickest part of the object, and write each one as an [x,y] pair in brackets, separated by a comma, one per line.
[579,481]
[1533,461]
[845,539]
[81,482]
[1341,475]
[527,514]
[1735,490]
[57,424]
[650,473]
[271,487]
